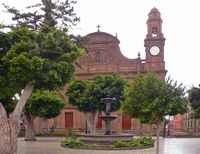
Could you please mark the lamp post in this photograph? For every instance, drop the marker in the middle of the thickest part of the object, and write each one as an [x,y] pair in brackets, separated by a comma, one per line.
[168,132]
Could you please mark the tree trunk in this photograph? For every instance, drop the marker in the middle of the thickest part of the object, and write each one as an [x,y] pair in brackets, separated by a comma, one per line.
[30,132]
[40,124]
[10,127]
[47,125]
[168,131]
[164,128]
[141,129]
[157,138]
[55,124]
[92,121]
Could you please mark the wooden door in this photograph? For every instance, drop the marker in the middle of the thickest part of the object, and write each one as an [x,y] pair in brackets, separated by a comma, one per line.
[68,119]
[99,122]
[126,121]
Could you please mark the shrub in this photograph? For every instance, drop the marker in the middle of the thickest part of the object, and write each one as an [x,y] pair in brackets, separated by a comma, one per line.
[112,146]
[119,144]
[70,133]
[136,143]
[72,142]
[21,133]
[94,146]
[39,133]
[142,141]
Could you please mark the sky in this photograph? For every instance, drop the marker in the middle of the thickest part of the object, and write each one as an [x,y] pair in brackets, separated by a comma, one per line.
[127,18]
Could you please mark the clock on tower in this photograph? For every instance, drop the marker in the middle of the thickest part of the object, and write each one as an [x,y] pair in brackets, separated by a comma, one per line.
[154,50]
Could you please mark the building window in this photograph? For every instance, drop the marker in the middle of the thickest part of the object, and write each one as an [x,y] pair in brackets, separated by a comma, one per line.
[98,57]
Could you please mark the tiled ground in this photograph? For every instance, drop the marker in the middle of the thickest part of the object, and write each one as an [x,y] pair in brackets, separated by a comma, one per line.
[50,145]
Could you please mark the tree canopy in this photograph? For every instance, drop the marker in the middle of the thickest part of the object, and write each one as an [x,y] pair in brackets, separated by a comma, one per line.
[194,100]
[150,99]
[44,58]
[45,104]
[86,95]
[54,13]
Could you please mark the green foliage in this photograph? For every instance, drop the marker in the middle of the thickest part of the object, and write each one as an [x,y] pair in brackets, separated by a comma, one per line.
[47,57]
[120,144]
[194,100]
[70,133]
[44,58]
[94,146]
[142,141]
[136,143]
[150,99]
[72,143]
[21,133]
[51,133]
[45,104]
[86,95]
[53,13]
[112,146]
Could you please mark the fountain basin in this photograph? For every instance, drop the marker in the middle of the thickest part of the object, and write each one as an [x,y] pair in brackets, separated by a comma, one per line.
[108,117]
[105,139]
[107,100]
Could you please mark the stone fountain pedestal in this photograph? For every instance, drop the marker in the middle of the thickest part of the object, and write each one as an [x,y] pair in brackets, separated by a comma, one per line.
[107,118]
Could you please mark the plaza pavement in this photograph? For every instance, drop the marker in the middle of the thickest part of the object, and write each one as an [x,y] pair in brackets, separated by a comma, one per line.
[51,145]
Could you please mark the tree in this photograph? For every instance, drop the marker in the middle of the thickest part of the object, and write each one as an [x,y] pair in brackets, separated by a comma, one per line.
[8,90]
[86,96]
[50,12]
[194,100]
[32,60]
[44,104]
[150,99]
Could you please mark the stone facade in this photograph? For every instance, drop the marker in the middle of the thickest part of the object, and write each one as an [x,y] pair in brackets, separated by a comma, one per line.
[104,57]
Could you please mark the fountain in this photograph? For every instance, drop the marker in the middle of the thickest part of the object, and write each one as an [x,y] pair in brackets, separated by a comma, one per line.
[108,137]
[107,118]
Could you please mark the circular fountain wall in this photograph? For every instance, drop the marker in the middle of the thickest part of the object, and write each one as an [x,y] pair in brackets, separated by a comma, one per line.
[105,138]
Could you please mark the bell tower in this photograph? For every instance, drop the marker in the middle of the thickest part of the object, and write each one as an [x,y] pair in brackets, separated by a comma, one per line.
[154,41]
[154,44]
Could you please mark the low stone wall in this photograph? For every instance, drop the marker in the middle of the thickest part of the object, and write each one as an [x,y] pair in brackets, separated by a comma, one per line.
[105,138]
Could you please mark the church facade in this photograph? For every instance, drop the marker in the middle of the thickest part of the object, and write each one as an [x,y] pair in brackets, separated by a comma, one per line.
[104,57]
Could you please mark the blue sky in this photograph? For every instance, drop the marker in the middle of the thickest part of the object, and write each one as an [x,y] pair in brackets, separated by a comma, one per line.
[127,18]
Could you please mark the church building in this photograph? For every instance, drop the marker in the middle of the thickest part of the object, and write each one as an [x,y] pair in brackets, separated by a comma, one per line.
[104,57]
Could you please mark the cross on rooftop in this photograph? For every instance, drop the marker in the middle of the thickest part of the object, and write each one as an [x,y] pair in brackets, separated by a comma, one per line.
[98,26]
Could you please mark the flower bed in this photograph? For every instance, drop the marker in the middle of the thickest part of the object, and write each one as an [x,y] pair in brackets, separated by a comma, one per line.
[139,143]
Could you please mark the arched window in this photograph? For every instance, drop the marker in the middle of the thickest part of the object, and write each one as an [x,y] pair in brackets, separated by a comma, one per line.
[154,31]
[98,57]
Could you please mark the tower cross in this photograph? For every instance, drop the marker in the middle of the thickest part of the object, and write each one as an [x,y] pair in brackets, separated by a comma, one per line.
[98,27]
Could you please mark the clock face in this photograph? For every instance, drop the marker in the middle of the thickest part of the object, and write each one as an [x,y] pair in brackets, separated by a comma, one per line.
[154,50]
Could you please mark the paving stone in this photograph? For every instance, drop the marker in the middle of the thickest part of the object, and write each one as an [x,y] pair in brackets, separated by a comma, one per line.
[51,145]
